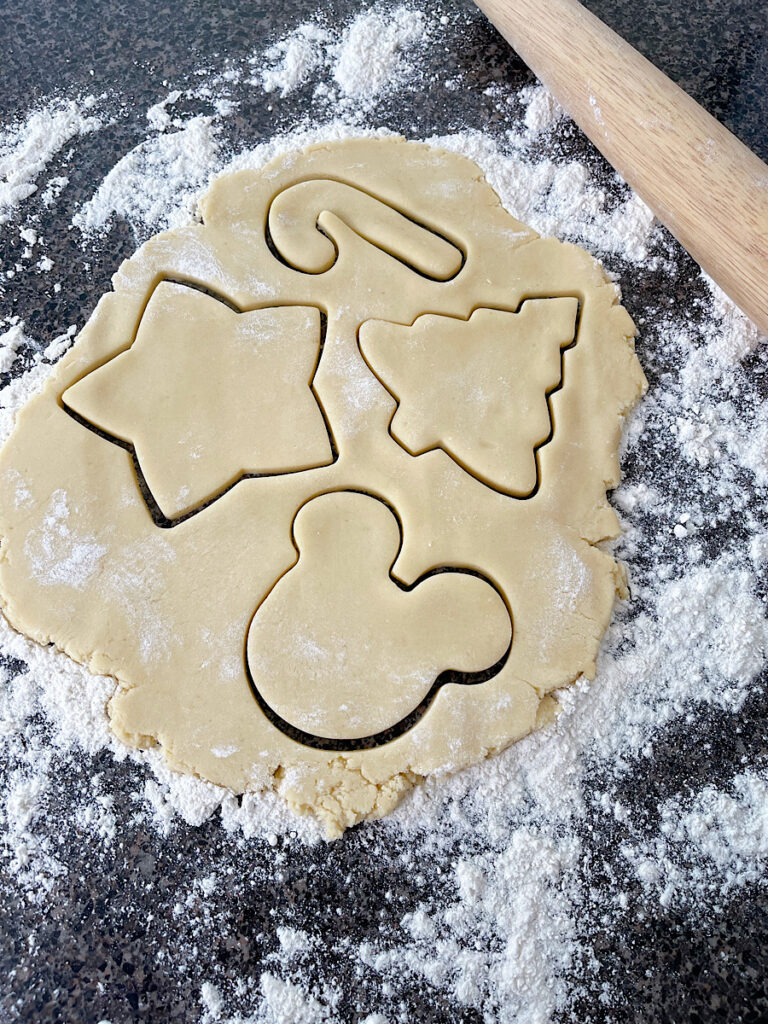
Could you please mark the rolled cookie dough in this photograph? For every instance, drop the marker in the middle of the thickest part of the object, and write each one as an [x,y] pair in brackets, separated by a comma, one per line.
[498,589]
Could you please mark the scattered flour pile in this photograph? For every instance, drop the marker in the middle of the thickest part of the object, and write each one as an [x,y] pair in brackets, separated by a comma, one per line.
[710,843]
[26,148]
[370,55]
[373,53]
[513,937]
[156,182]
[294,59]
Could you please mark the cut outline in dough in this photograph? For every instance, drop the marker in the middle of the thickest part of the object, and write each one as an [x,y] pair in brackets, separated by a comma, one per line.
[446,676]
[158,516]
[273,248]
[548,394]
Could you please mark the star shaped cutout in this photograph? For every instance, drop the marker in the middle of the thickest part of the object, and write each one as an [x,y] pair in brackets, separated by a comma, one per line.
[206,395]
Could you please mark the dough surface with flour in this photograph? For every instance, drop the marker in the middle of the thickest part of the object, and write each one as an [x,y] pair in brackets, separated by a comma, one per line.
[349,584]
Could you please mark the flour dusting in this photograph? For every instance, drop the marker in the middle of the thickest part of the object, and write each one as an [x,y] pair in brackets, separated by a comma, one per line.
[153,186]
[27,147]
[295,58]
[372,51]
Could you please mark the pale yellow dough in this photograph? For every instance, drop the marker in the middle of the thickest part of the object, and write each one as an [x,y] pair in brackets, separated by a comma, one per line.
[271,498]
[319,644]
[476,388]
[205,394]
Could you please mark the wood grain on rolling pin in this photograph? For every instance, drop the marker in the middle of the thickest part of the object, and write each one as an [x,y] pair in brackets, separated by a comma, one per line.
[707,187]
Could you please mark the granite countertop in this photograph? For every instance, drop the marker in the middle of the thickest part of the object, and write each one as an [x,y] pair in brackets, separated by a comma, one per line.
[90,954]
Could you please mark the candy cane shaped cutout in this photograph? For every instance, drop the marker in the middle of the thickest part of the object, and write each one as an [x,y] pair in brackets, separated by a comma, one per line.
[301,219]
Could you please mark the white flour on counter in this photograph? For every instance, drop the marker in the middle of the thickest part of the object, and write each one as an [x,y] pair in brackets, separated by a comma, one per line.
[515,930]
[27,147]
[156,183]
[374,53]
[711,842]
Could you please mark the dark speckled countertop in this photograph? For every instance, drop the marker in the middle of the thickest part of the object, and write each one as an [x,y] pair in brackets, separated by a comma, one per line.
[88,955]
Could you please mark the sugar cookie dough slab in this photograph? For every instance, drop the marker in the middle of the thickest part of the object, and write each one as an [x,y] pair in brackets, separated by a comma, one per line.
[166,609]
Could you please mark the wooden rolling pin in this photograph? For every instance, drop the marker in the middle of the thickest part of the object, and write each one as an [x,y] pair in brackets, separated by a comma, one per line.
[708,188]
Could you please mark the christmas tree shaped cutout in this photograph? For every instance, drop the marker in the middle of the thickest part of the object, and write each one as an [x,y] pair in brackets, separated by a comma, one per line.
[477,388]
